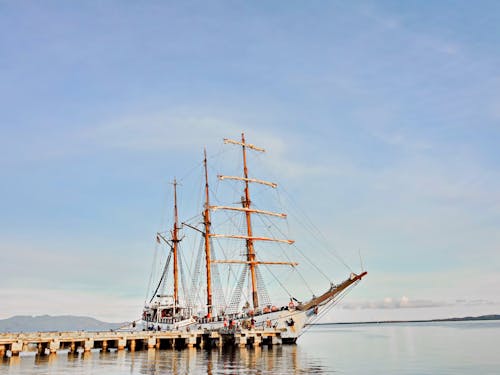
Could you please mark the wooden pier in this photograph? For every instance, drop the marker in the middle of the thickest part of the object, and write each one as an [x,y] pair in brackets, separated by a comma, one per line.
[43,343]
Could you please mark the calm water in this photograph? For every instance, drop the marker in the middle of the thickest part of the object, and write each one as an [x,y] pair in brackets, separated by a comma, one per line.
[416,348]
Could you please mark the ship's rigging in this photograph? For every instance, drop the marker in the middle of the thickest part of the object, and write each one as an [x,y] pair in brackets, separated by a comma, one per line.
[246,292]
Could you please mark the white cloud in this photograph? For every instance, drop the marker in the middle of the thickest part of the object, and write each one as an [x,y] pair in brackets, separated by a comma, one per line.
[406,303]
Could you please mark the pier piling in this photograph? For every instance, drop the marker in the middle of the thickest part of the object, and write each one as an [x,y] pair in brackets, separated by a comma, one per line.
[52,342]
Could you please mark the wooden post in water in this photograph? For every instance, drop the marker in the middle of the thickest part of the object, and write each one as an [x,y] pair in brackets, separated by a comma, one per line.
[122,342]
[88,345]
[151,342]
[16,347]
[54,346]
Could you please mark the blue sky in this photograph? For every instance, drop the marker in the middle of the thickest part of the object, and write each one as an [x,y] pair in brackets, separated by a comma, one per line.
[382,118]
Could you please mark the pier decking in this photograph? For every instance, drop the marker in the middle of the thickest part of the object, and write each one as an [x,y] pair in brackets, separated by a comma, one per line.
[52,342]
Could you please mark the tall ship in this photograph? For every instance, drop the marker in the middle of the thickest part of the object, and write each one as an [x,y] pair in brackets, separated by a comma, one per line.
[234,278]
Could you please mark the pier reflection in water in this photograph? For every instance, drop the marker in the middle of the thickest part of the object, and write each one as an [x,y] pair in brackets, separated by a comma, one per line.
[275,360]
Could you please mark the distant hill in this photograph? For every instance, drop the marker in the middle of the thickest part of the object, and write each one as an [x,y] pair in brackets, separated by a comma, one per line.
[25,323]
[467,318]
[482,317]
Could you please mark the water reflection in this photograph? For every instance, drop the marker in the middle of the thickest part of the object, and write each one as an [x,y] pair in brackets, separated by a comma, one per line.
[254,360]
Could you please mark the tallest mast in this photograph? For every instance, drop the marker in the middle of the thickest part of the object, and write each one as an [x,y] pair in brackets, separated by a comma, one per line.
[249,242]
[206,221]
[175,241]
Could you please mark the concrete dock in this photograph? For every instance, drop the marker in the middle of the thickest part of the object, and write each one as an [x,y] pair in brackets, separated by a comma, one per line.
[11,344]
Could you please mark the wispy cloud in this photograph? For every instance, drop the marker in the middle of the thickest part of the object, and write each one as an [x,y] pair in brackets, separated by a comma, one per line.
[384,20]
[161,131]
[188,131]
[389,21]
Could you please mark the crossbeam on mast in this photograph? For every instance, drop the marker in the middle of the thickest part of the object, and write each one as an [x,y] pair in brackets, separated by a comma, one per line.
[230,261]
[253,147]
[268,183]
[162,237]
[244,209]
[193,227]
[251,238]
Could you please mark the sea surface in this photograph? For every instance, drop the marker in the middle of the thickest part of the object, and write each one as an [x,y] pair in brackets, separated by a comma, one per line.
[400,348]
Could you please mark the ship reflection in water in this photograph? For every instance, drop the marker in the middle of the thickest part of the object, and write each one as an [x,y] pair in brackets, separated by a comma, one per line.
[276,360]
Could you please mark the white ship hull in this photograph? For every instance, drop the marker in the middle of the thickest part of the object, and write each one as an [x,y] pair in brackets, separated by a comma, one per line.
[290,322]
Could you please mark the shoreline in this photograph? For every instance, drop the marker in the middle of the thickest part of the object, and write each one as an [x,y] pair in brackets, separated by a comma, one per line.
[464,319]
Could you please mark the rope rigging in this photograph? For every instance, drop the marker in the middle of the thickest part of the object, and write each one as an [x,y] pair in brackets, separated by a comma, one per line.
[318,235]
[236,297]
[219,300]
[298,250]
[327,307]
[202,286]
[263,294]
[161,283]
[195,290]
[184,287]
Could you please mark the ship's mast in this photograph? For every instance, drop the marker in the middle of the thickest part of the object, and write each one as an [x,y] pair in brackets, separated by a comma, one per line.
[206,221]
[249,242]
[175,241]
[251,260]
